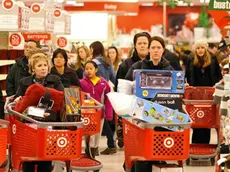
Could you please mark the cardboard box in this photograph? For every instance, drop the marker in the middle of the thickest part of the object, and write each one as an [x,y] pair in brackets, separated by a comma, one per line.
[167,168]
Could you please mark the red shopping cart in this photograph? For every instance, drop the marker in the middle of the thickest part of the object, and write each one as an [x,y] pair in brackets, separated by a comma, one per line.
[37,141]
[151,145]
[3,143]
[91,115]
[199,105]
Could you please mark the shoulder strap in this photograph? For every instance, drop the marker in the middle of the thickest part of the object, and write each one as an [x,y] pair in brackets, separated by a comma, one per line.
[97,61]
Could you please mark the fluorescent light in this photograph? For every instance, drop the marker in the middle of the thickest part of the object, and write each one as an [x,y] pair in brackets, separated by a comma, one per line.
[207,1]
[71,2]
[60,1]
[131,14]
[180,2]
[79,4]
[147,4]
[201,1]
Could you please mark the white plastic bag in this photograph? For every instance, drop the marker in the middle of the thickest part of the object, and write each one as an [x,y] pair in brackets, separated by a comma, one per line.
[122,103]
[125,86]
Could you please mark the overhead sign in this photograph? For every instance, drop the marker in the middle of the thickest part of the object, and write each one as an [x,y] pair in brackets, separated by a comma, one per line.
[62,42]
[219,5]
[35,8]
[7,4]
[16,41]
[37,36]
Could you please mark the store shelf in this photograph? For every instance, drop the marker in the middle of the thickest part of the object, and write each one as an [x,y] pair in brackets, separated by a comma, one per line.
[6,62]
[4,92]
[3,77]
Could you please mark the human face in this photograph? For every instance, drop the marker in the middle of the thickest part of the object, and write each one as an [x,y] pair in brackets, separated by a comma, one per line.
[59,60]
[28,46]
[156,50]
[112,55]
[142,46]
[41,69]
[200,51]
[90,70]
[82,53]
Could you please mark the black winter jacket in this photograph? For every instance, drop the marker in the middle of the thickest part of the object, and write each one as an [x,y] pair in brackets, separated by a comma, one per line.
[215,74]
[69,78]
[148,64]
[18,71]
[173,59]
[51,81]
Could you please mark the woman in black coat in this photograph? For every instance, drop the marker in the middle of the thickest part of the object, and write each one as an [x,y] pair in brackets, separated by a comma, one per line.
[155,62]
[39,67]
[68,76]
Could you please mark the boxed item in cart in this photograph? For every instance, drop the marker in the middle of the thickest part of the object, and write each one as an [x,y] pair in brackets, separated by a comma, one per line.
[154,113]
[151,82]
[167,168]
[72,101]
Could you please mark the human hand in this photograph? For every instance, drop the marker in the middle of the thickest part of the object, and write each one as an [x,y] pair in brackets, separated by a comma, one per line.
[18,99]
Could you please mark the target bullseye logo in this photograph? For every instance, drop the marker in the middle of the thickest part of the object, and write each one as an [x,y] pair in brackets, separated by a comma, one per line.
[62,142]
[168,142]
[14,129]
[200,114]
[86,121]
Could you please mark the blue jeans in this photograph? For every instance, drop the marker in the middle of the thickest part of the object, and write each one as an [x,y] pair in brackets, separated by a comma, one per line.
[109,134]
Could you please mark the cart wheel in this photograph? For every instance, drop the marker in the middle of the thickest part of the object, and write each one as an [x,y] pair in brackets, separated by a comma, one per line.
[212,160]
[187,161]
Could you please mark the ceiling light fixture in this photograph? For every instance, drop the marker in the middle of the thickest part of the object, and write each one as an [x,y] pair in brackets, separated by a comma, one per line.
[147,4]
[71,2]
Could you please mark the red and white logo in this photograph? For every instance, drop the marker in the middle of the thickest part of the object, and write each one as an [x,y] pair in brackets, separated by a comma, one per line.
[57,13]
[7,4]
[168,142]
[35,8]
[15,39]
[200,114]
[14,129]
[86,121]
[62,142]
[62,42]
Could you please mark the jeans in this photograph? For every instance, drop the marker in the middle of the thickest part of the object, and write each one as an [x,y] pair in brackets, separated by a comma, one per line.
[201,135]
[42,166]
[109,134]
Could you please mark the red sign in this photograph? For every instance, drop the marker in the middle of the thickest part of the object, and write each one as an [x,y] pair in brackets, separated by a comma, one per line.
[126,7]
[7,4]
[36,8]
[15,39]
[37,36]
[57,13]
[62,42]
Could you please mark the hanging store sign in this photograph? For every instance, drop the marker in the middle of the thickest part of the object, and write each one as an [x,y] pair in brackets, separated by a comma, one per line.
[219,5]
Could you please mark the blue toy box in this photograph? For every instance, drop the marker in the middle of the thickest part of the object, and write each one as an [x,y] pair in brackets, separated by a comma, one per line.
[150,112]
[151,82]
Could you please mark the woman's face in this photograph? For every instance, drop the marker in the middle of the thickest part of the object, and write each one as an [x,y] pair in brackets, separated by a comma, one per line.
[112,55]
[200,51]
[90,70]
[41,69]
[156,50]
[59,60]
[142,46]
[82,53]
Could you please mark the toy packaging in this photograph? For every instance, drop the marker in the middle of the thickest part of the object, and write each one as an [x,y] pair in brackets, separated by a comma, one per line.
[151,82]
[72,100]
[154,113]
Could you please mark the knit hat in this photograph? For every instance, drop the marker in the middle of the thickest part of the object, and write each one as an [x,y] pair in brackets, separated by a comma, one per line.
[201,43]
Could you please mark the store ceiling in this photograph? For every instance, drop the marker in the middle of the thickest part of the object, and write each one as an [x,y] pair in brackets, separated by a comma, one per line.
[194,2]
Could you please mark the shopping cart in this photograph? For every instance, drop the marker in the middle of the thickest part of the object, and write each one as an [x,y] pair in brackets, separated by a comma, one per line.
[153,145]
[3,143]
[37,141]
[203,112]
[91,115]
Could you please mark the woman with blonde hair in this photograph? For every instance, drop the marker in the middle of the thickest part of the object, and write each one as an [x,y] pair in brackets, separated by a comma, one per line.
[114,57]
[83,54]
[202,70]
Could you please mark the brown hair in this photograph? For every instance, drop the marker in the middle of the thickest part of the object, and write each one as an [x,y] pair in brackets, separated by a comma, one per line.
[224,62]
[34,51]
[79,60]
[35,58]
[117,61]
[158,39]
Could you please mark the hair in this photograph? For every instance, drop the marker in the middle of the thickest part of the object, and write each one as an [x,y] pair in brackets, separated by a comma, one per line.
[93,63]
[98,50]
[141,34]
[34,51]
[224,62]
[79,60]
[63,53]
[158,39]
[36,42]
[116,63]
[207,57]
[35,58]
[212,45]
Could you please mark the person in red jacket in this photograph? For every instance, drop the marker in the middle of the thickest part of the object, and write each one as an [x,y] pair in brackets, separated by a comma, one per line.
[98,87]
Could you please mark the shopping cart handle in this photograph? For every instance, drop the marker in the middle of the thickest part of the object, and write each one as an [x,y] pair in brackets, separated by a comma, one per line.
[42,124]
[184,125]
[192,102]
[8,100]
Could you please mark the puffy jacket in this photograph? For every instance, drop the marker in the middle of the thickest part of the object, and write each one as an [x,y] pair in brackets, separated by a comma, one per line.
[148,64]
[68,78]
[104,70]
[98,92]
[173,59]
[18,71]
[51,81]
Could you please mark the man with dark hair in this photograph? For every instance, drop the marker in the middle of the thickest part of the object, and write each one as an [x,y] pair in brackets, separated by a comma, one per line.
[212,48]
[20,69]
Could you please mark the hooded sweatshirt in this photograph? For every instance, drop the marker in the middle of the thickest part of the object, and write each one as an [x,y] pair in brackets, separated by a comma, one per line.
[98,92]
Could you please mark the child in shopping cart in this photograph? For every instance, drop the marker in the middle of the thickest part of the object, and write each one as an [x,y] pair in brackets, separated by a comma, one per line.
[97,87]
[39,68]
